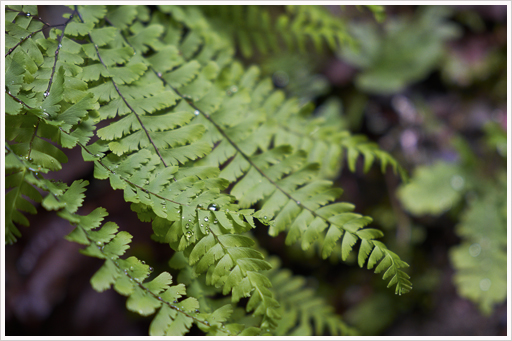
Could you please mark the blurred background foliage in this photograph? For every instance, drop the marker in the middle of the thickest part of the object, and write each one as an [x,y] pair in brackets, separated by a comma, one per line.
[428,84]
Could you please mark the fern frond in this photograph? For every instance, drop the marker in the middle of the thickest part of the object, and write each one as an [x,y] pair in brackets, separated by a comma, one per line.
[260,28]
[194,141]
[304,312]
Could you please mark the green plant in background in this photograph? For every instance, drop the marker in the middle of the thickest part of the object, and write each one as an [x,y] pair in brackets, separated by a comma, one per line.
[406,52]
[481,258]
[202,148]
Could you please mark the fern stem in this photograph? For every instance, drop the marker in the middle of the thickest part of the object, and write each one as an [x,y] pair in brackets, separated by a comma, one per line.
[11,50]
[141,285]
[126,180]
[57,55]
[32,138]
[121,95]
[30,15]
[17,99]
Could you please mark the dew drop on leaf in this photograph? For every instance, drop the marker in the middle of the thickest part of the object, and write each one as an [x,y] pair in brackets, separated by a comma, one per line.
[205,218]
[151,269]
[46,94]
[187,226]
[234,89]
[298,202]
[131,268]
[196,112]
[143,262]
[159,74]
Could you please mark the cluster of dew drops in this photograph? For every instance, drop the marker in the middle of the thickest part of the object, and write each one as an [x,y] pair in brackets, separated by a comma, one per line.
[189,234]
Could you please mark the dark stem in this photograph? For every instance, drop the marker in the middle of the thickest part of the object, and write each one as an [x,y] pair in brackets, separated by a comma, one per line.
[128,181]
[47,92]
[30,36]
[121,95]
[18,100]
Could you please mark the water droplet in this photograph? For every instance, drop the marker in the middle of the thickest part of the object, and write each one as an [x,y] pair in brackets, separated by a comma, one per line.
[205,218]
[159,74]
[28,14]
[136,279]
[99,243]
[485,284]
[160,298]
[265,217]
[97,155]
[131,279]
[151,269]
[131,268]
[215,221]
[298,202]
[178,309]
[60,45]
[147,182]
[475,249]
[140,312]
[207,231]
[187,226]
[196,112]
[202,225]
[46,94]
[197,311]
[234,89]
[125,272]
[174,301]
[227,209]
[143,262]
[189,220]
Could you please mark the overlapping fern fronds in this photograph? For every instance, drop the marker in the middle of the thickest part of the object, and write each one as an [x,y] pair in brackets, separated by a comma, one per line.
[190,141]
